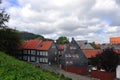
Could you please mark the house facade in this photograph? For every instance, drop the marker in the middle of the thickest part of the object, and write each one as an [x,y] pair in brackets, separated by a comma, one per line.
[38,51]
[47,52]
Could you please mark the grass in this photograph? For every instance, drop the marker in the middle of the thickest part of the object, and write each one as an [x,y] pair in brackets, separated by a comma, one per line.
[12,69]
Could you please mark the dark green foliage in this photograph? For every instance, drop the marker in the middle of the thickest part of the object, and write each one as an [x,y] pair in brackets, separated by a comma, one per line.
[9,40]
[62,40]
[107,60]
[3,18]
[28,36]
[12,69]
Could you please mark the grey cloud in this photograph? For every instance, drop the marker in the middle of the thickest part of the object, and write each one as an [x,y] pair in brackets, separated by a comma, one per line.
[118,2]
[72,18]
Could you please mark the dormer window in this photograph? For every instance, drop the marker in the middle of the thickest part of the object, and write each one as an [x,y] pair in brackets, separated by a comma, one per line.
[72,47]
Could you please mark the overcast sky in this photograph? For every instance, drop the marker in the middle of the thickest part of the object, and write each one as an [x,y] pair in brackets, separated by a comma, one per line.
[92,20]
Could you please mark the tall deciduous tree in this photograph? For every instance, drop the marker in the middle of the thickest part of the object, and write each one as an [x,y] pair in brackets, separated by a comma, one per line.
[9,38]
[4,17]
[62,40]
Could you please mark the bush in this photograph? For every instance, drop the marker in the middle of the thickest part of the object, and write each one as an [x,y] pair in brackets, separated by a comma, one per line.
[107,60]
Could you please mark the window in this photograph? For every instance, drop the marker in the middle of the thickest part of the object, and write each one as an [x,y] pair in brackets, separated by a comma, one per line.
[53,46]
[37,52]
[46,53]
[32,58]
[25,51]
[46,60]
[69,62]
[43,59]
[40,52]
[72,47]
[69,55]
[55,52]
[66,55]
[40,59]
[77,56]
[43,53]
[33,52]
[28,51]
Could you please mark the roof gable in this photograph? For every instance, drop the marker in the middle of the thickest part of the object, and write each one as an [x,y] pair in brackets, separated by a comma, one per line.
[74,54]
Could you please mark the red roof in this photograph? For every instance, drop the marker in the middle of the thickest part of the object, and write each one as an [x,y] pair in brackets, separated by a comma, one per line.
[45,45]
[61,46]
[89,53]
[117,51]
[31,44]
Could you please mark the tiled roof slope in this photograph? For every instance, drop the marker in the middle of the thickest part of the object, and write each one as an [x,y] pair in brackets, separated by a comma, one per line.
[45,45]
[89,53]
[31,44]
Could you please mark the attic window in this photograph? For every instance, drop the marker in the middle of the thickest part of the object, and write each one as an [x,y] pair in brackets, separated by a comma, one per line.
[69,62]
[67,55]
[75,56]
[72,47]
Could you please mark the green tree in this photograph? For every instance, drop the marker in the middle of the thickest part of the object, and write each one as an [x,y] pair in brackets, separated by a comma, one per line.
[9,38]
[94,45]
[4,17]
[107,60]
[62,40]
[9,41]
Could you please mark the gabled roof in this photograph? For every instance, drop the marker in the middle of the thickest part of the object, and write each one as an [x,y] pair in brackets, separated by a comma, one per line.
[72,53]
[31,44]
[89,53]
[45,45]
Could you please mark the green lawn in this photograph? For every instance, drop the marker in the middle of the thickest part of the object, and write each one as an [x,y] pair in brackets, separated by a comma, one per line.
[12,69]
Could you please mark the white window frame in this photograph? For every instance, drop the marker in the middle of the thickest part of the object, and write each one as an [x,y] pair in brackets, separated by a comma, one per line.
[37,52]
[46,53]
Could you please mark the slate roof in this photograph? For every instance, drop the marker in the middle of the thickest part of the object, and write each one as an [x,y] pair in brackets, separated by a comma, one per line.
[110,46]
[73,54]
[83,44]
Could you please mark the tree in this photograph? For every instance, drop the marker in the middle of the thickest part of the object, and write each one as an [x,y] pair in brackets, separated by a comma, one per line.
[107,60]
[9,38]
[9,41]
[94,45]
[3,18]
[62,40]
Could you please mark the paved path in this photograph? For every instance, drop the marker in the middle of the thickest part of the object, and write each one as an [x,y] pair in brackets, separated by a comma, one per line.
[56,69]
